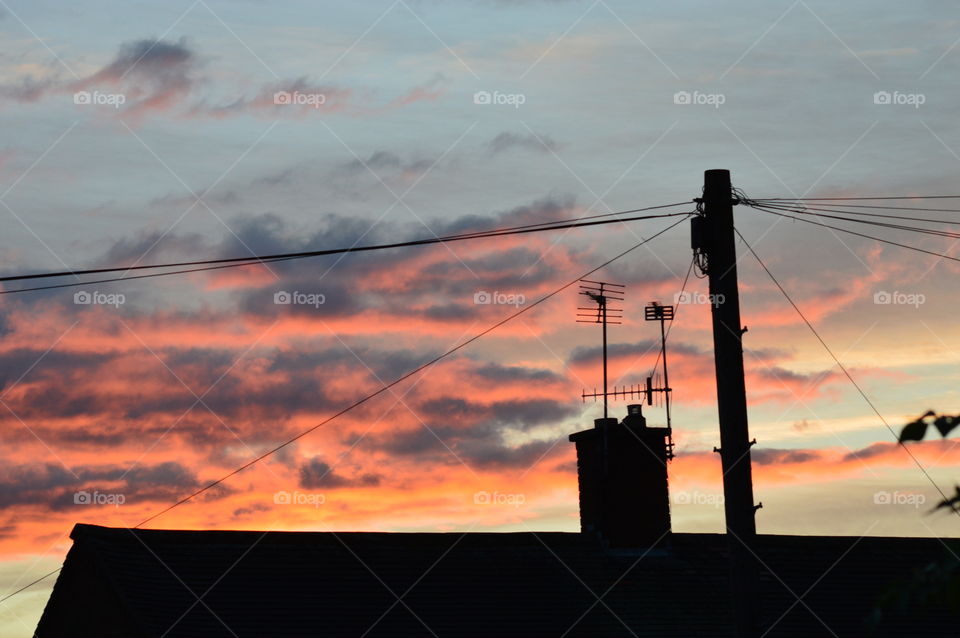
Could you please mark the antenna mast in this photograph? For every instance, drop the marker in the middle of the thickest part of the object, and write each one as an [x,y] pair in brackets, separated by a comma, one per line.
[601,292]
[656,312]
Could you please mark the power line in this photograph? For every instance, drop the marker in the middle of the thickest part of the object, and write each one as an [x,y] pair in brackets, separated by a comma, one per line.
[235,262]
[864,235]
[31,584]
[843,208]
[869,206]
[870,222]
[255,259]
[824,199]
[405,376]
[842,367]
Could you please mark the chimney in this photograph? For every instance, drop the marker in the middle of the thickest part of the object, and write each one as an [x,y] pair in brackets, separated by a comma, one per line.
[622,473]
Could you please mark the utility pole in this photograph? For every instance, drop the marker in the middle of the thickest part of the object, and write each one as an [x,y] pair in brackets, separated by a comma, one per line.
[713,238]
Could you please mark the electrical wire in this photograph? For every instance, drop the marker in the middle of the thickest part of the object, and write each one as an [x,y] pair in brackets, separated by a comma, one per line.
[31,584]
[869,206]
[864,235]
[259,259]
[916,229]
[816,209]
[824,199]
[842,367]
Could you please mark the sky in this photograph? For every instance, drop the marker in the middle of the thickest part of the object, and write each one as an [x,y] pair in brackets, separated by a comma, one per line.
[139,133]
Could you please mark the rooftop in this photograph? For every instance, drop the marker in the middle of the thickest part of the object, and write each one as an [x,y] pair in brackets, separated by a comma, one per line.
[253,583]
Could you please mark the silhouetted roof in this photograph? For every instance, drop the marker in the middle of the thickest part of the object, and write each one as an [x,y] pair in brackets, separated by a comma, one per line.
[128,582]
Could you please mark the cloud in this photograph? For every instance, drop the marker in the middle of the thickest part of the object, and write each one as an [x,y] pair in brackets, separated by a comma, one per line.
[153,75]
[508,141]
[26,90]
[54,486]
[298,97]
[768,456]
[430,91]
[315,473]
[164,76]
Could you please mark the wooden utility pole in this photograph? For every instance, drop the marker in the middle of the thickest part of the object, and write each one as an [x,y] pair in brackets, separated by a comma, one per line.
[716,238]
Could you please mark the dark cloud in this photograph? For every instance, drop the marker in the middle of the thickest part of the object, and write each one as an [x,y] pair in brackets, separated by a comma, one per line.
[547,209]
[508,141]
[385,164]
[315,473]
[152,74]
[55,486]
[520,414]
[481,447]
[771,456]
[27,90]
[870,451]
[495,372]
[31,366]
[297,97]
[254,508]
[591,354]
[150,247]
[474,432]
[776,373]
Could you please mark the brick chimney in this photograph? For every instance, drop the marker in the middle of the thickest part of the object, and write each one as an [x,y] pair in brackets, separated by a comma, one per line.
[622,473]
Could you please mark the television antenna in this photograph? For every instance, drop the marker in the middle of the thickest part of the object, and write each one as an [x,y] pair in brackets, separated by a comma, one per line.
[601,292]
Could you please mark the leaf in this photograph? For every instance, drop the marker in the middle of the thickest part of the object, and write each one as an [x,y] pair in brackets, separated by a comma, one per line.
[945,424]
[953,502]
[914,431]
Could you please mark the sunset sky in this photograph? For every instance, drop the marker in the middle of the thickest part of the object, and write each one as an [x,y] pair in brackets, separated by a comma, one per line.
[183,152]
